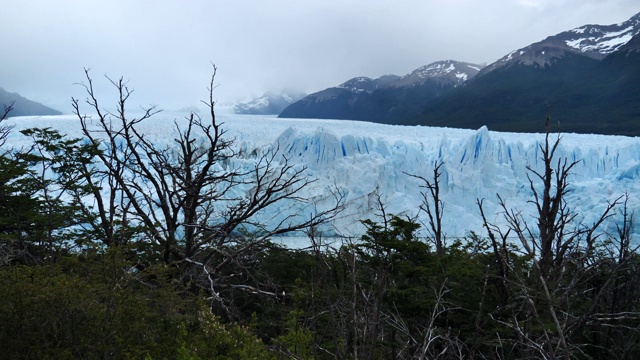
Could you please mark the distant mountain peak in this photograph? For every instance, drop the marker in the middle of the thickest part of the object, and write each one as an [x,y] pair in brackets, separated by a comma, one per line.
[362,84]
[357,84]
[378,99]
[270,103]
[443,68]
[593,41]
[600,40]
[448,70]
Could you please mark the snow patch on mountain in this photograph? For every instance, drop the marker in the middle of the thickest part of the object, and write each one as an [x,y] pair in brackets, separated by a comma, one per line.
[448,70]
[579,30]
[357,85]
[593,41]
[365,85]
[606,43]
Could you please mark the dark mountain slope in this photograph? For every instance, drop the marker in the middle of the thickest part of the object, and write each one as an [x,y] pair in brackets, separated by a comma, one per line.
[589,78]
[512,98]
[407,96]
[389,104]
[387,99]
[617,85]
[23,106]
[336,102]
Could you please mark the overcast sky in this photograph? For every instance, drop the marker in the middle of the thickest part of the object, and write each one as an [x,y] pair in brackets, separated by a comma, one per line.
[165,48]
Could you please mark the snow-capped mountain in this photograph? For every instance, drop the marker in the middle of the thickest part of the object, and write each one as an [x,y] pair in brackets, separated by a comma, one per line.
[593,41]
[359,85]
[336,102]
[269,104]
[366,161]
[449,71]
[386,98]
[587,77]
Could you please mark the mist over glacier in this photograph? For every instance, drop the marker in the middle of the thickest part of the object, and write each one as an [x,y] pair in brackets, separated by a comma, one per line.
[366,162]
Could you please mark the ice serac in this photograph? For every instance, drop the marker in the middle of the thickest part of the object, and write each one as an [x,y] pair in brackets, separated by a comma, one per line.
[477,165]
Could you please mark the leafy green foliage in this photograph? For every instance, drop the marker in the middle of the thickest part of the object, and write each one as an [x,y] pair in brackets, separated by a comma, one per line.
[21,220]
[98,306]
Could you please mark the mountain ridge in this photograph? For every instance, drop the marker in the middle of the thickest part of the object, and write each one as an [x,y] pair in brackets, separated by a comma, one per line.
[270,103]
[360,98]
[594,41]
[587,77]
[23,106]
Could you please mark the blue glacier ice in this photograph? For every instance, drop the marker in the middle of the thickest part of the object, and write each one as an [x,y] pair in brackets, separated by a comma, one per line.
[368,161]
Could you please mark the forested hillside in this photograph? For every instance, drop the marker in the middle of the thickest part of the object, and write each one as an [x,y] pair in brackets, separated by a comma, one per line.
[113,247]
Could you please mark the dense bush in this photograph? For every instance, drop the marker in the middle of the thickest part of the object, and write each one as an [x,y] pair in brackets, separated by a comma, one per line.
[97,306]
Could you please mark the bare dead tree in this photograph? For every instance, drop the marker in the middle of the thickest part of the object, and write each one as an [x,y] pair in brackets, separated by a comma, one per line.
[433,206]
[500,252]
[623,231]
[188,200]
[5,129]
[553,212]
[563,255]
[448,347]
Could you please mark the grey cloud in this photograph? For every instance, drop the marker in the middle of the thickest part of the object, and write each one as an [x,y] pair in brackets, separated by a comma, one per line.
[165,47]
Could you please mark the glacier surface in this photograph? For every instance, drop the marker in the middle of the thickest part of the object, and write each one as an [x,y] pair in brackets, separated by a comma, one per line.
[368,161]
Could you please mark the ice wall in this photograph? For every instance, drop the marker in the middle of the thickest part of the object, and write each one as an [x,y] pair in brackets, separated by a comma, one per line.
[368,161]
[477,166]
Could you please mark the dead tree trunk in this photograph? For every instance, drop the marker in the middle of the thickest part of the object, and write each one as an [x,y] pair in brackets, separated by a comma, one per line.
[433,206]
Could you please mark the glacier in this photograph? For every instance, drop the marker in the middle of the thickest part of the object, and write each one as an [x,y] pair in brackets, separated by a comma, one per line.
[370,163]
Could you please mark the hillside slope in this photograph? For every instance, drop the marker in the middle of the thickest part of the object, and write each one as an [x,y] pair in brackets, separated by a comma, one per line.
[23,106]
